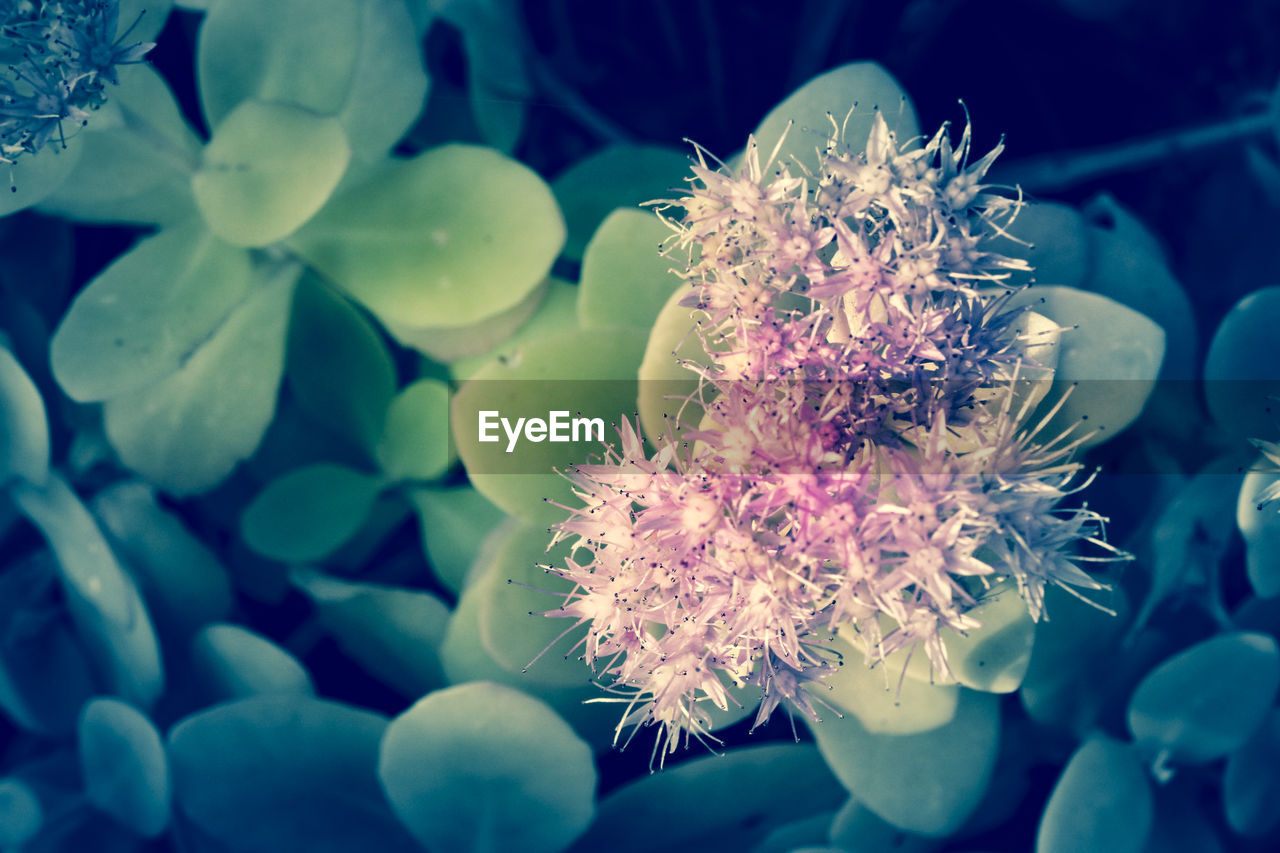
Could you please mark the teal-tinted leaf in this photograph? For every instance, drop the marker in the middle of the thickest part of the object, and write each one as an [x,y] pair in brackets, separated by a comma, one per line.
[453,524]
[1128,267]
[143,19]
[995,656]
[1240,386]
[35,176]
[447,239]
[857,828]
[927,783]
[293,51]
[285,772]
[806,831]
[625,279]
[267,170]
[154,544]
[24,427]
[21,816]
[187,432]
[146,314]
[1251,785]
[883,701]
[1053,239]
[1108,358]
[717,802]
[863,87]
[588,374]
[103,601]
[482,767]
[1260,527]
[557,311]
[139,168]
[359,61]
[233,663]
[44,675]
[415,440]
[450,343]
[1101,802]
[497,78]
[393,633]
[126,771]
[613,177]
[309,513]
[1207,700]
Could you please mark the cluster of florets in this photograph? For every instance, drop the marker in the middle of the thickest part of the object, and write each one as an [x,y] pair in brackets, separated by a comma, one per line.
[854,458]
[58,56]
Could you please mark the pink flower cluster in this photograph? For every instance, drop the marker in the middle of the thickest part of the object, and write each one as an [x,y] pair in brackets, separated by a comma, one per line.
[854,458]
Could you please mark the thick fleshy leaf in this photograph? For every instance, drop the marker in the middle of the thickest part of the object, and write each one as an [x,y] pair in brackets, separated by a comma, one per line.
[152,541]
[587,374]
[1108,359]
[309,513]
[718,802]
[447,239]
[994,657]
[618,176]
[233,663]
[927,783]
[883,701]
[45,676]
[187,432]
[1102,802]
[454,342]
[664,383]
[482,767]
[24,426]
[359,61]
[142,19]
[498,83]
[415,441]
[805,831]
[556,312]
[125,769]
[144,316]
[21,815]
[103,601]
[139,168]
[1260,527]
[1052,237]
[862,87]
[1207,700]
[453,522]
[1128,267]
[267,170]
[1251,784]
[285,772]
[856,827]
[393,633]
[1240,386]
[625,278]
[35,176]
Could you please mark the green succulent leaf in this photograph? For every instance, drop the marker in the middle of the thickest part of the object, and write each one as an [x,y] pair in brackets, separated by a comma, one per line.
[928,783]
[453,522]
[1102,802]
[1260,526]
[416,261]
[285,771]
[1239,386]
[145,316]
[309,513]
[393,633]
[1206,701]
[881,700]
[862,87]
[267,170]
[625,281]
[1251,784]
[718,802]
[535,791]
[21,815]
[125,769]
[1053,238]
[556,312]
[34,177]
[617,176]
[232,662]
[187,432]
[415,441]
[24,426]
[103,601]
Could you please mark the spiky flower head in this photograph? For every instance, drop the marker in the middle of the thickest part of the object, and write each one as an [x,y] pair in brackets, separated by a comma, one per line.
[859,458]
[57,56]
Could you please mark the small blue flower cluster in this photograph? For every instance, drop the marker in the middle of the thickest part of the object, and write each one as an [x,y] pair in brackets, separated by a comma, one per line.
[57,58]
